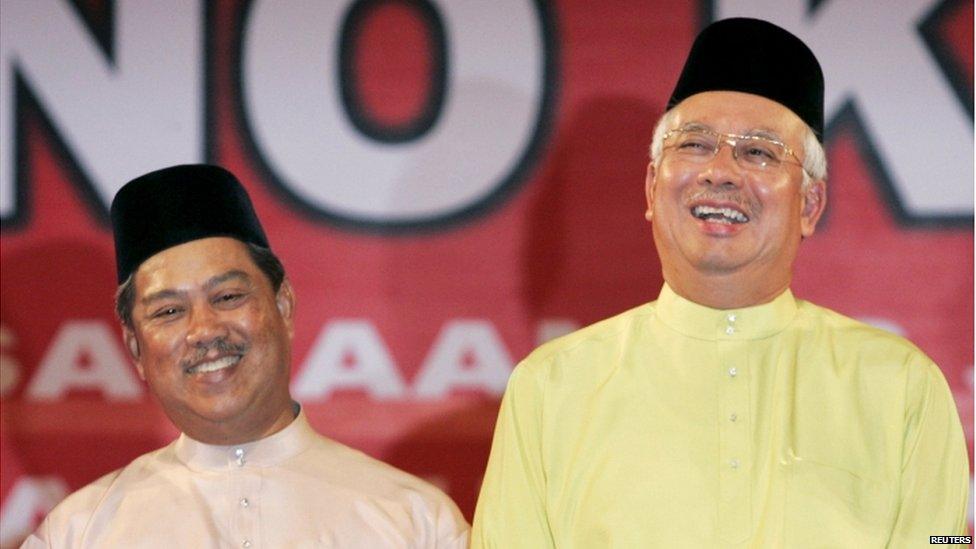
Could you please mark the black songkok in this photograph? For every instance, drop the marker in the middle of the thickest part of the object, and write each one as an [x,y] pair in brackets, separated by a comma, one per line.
[757,57]
[177,205]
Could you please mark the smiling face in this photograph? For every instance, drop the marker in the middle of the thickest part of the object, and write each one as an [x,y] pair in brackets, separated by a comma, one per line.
[213,340]
[727,234]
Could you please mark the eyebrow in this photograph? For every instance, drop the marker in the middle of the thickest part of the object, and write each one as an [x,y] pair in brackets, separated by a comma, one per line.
[693,126]
[768,134]
[229,275]
[210,284]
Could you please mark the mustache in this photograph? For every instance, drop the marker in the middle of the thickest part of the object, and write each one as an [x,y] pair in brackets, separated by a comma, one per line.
[222,345]
[748,206]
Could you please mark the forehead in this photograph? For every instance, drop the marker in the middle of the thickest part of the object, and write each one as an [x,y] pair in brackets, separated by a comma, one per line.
[191,265]
[736,112]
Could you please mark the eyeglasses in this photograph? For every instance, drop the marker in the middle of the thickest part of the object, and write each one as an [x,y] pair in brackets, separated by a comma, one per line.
[750,151]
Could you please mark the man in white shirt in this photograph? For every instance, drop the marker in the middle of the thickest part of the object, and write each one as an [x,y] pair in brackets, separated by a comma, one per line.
[207,316]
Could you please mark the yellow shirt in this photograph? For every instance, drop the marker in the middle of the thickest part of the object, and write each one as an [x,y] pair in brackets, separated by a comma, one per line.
[676,425]
[292,489]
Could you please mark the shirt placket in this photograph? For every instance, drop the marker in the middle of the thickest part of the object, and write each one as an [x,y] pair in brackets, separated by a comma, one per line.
[735,460]
[244,499]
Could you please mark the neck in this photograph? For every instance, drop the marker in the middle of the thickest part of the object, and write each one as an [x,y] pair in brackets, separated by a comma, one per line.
[229,433]
[735,290]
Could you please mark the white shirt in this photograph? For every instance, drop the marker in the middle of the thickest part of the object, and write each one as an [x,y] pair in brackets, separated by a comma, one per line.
[295,488]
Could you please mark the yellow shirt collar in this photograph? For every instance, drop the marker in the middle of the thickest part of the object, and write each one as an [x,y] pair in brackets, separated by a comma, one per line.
[702,322]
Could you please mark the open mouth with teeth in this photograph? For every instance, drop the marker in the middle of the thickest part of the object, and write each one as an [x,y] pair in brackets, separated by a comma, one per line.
[221,363]
[725,215]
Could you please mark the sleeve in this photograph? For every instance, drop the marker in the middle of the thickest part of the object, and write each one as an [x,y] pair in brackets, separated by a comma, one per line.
[453,531]
[511,510]
[459,541]
[34,541]
[40,538]
[934,488]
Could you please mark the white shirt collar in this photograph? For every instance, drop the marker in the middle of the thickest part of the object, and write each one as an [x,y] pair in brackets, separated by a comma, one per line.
[288,442]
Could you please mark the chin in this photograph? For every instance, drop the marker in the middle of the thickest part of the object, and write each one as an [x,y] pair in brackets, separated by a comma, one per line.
[719,263]
[220,411]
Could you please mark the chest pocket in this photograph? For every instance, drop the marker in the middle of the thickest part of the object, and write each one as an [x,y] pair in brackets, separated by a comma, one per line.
[830,507]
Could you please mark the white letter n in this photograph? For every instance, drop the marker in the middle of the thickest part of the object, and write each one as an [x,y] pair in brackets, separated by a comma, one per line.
[119,117]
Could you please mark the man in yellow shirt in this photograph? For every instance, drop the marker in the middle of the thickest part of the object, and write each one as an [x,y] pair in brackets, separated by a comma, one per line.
[728,413]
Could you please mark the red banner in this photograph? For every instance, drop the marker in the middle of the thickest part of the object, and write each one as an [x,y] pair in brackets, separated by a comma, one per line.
[447,186]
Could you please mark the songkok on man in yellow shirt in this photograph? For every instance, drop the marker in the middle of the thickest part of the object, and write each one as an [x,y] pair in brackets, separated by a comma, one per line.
[728,413]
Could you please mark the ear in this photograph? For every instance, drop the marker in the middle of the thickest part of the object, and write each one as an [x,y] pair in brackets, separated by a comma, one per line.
[132,344]
[285,300]
[649,183]
[814,202]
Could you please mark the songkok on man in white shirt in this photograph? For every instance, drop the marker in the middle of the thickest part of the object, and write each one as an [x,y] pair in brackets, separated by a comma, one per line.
[207,314]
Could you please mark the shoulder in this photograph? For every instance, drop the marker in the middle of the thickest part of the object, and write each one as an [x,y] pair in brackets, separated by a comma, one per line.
[605,336]
[368,472]
[68,521]
[843,332]
[869,352]
[363,478]
[85,500]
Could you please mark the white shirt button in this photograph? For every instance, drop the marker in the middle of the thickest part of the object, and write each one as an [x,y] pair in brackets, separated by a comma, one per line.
[733,371]
[731,317]
[730,330]
[733,417]
[244,503]
[239,453]
[246,543]
[734,464]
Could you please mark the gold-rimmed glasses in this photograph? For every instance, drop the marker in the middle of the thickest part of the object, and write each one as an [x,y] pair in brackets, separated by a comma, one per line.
[754,152]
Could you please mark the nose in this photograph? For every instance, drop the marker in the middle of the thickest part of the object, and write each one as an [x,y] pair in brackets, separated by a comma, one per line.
[205,326]
[723,169]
